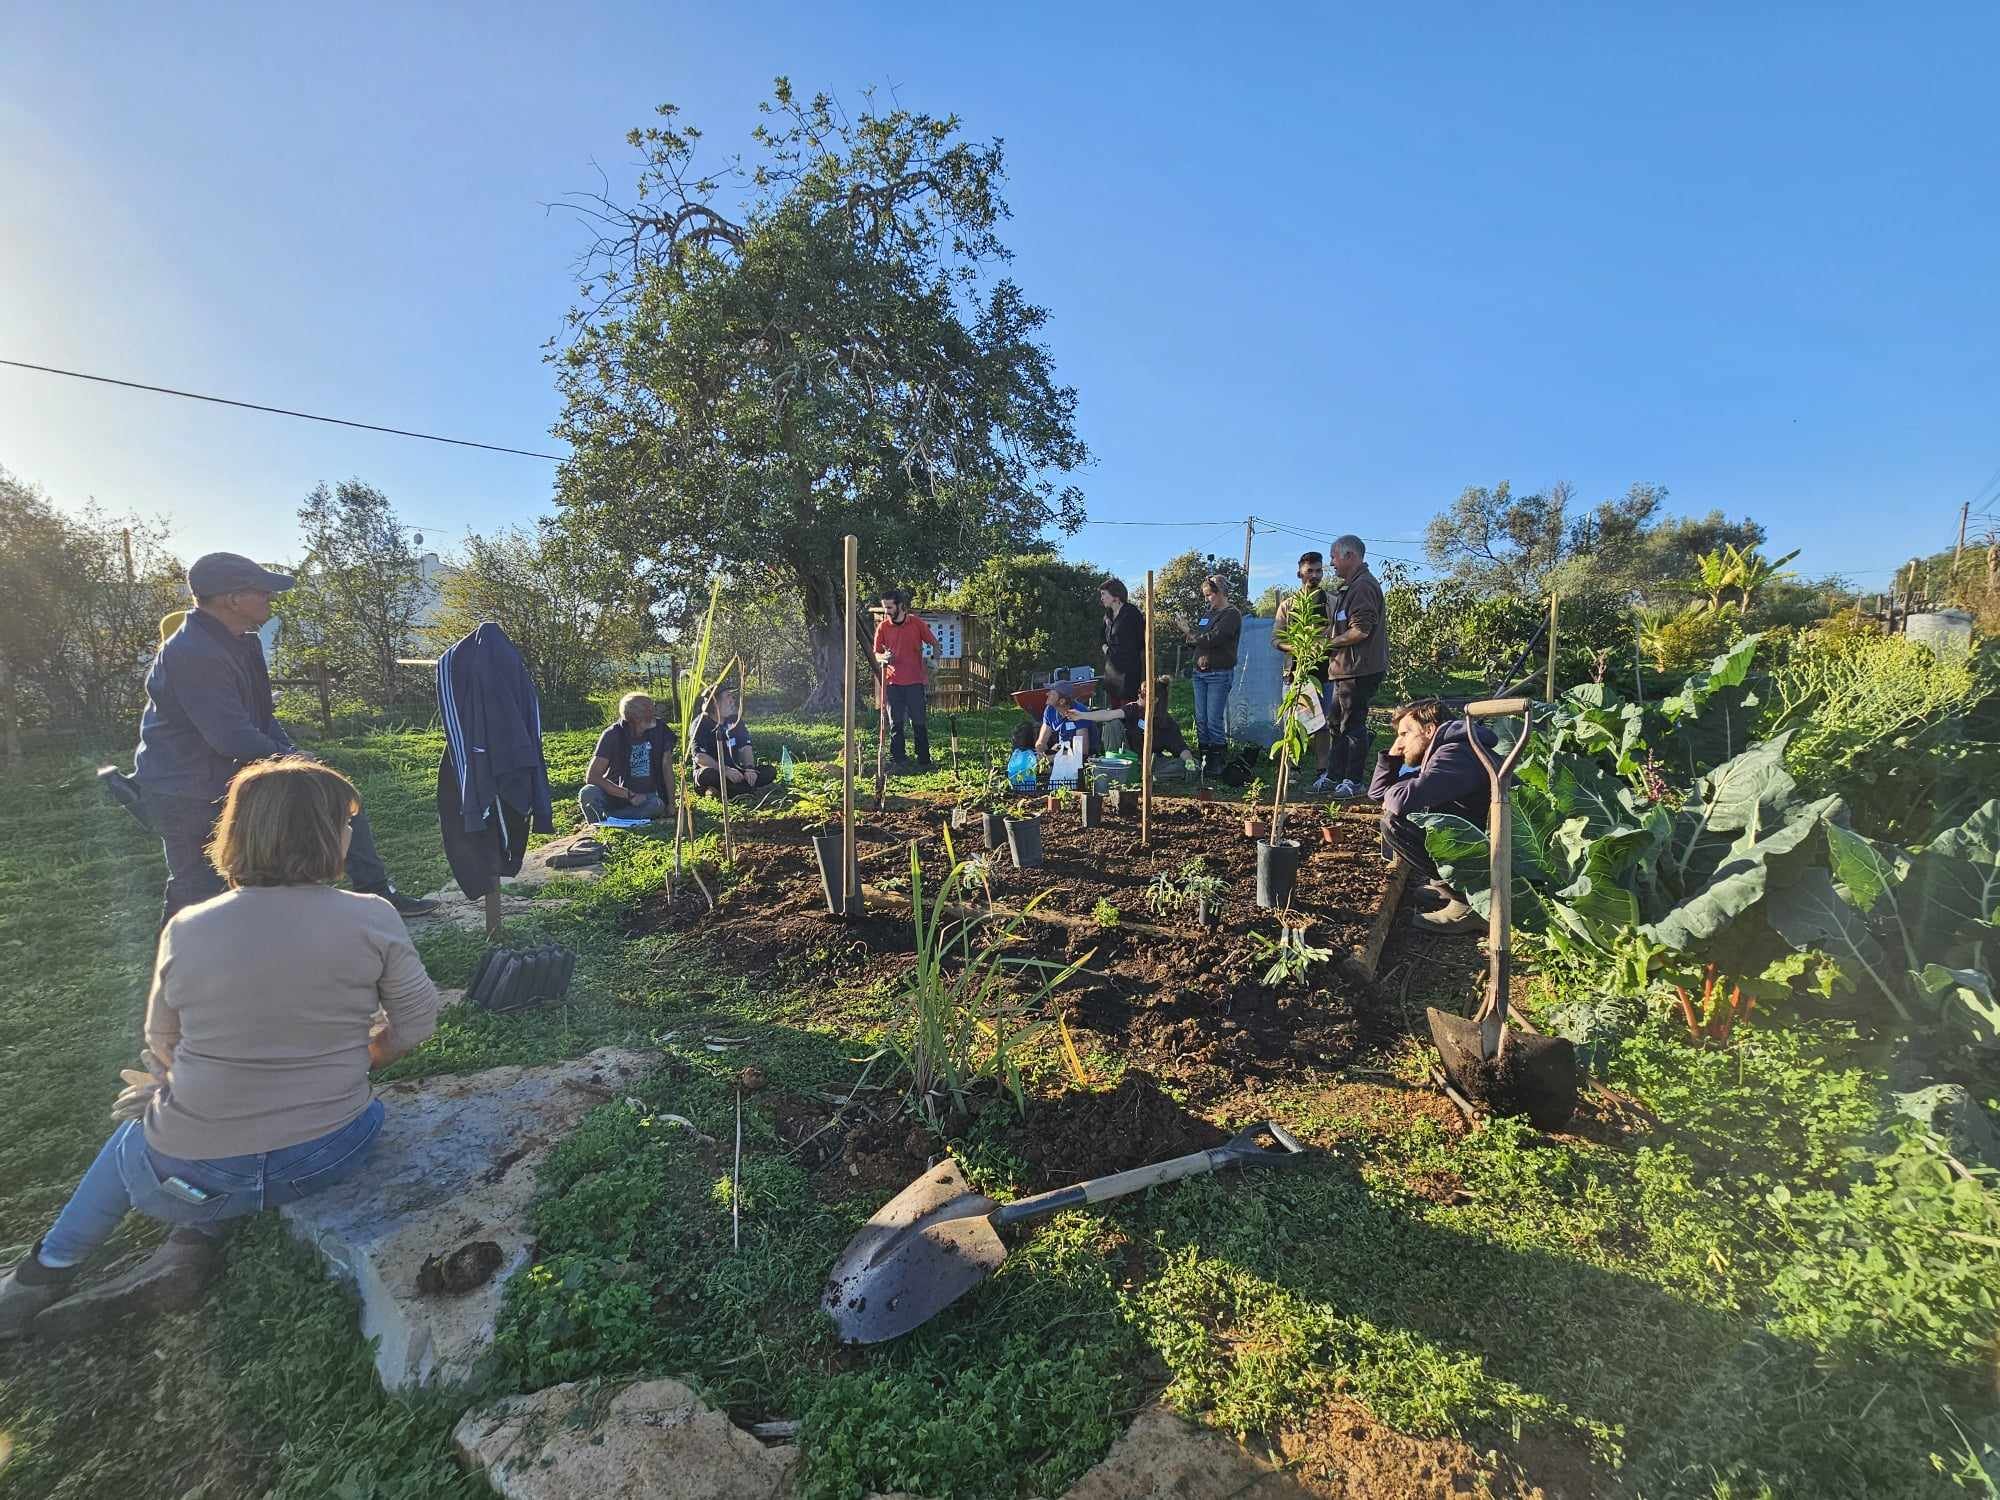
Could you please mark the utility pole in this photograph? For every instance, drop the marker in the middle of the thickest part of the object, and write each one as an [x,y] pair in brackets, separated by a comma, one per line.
[1250,530]
[1964,511]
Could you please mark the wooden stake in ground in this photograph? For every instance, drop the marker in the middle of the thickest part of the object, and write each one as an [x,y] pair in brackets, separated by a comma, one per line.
[1554,609]
[881,734]
[850,867]
[1146,739]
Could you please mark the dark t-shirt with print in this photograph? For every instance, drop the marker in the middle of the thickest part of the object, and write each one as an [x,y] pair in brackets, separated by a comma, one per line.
[637,763]
[736,736]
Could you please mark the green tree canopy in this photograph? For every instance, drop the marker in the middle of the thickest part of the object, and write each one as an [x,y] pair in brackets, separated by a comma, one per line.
[1502,543]
[742,387]
[360,592]
[84,594]
[1038,612]
[572,609]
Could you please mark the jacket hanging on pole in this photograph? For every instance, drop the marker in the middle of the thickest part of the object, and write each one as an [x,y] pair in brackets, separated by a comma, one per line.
[493,783]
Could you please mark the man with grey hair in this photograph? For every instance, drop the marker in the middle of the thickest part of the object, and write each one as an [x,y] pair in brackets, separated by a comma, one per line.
[631,771]
[1357,661]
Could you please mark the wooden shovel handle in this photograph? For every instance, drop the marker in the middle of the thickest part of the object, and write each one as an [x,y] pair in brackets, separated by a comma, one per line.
[1493,708]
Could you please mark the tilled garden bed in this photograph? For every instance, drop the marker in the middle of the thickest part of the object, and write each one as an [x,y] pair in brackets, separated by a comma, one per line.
[1188,1002]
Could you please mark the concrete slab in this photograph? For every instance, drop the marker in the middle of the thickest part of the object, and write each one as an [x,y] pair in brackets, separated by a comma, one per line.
[653,1440]
[591,1440]
[430,1231]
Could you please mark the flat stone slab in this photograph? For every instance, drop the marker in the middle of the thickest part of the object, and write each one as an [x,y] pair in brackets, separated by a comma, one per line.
[656,1438]
[517,899]
[1163,1454]
[449,1183]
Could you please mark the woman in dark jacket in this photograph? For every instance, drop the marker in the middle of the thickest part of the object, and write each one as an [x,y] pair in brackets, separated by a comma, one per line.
[1124,643]
[1214,637]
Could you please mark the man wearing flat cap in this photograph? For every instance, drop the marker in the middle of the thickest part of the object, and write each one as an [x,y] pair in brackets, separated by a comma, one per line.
[208,714]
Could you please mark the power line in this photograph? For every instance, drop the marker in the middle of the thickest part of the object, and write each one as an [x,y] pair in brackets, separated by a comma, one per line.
[304,416]
[1159,523]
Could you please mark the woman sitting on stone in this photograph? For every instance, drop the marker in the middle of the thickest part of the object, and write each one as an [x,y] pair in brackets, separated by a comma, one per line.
[720,742]
[261,1030]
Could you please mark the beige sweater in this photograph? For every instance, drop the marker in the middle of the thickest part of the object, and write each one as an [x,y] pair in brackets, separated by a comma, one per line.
[261,1007]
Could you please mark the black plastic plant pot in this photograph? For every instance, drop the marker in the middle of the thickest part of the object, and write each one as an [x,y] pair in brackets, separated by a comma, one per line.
[994,827]
[961,816]
[1090,809]
[1206,911]
[827,851]
[1117,801]
[1277,871]
[1024,842]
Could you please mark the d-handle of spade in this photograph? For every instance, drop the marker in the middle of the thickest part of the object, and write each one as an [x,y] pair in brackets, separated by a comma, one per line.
[1245,1148]
[1492,1017]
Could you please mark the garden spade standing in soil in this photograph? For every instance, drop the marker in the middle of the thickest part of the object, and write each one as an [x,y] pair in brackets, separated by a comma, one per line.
[1509,1071]
[935,1241]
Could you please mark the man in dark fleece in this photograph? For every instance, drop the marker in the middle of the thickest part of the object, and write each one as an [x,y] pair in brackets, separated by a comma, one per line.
[1431,766]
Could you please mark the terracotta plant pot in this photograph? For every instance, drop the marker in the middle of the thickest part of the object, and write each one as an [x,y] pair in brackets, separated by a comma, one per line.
[1253,828]
[1203,794]
[1326,833]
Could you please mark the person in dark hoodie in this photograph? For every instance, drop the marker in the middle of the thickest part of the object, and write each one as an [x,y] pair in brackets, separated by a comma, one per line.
[1124,643]
[208,714]
[1431,766]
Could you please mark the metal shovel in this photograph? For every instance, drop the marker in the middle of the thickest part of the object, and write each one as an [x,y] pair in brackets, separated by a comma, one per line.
[935,1241]
[1509,1071]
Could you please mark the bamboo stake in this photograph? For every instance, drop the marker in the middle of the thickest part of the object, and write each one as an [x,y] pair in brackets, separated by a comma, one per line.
[850,885]
[1146,739]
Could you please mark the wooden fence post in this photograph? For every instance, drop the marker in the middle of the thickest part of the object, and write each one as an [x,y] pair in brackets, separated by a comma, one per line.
[1146,739]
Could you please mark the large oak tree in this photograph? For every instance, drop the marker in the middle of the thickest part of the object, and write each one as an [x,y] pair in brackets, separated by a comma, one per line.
[743,385]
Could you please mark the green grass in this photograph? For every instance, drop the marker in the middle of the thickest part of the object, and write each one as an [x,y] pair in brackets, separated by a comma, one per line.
[1767,1297]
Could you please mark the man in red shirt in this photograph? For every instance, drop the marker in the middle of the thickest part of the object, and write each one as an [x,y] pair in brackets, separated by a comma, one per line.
[900,639]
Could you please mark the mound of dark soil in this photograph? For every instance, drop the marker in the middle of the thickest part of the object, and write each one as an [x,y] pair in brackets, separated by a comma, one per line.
[1090,1133]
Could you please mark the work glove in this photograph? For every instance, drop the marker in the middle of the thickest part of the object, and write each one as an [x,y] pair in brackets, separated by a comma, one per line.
[141,1084]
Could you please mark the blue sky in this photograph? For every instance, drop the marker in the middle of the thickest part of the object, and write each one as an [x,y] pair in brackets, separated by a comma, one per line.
[1329,265]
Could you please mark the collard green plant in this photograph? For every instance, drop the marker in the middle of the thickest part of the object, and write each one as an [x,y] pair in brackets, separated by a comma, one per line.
[1919,930]
[1635,890]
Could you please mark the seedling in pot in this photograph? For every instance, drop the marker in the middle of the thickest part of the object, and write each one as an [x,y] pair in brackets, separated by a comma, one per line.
[1190,886]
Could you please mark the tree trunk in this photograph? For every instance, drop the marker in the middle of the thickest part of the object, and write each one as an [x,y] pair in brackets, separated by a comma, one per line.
[823,631]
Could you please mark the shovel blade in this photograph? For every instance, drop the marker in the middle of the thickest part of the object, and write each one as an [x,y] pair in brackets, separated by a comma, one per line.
[923,1250]
[1533,1075]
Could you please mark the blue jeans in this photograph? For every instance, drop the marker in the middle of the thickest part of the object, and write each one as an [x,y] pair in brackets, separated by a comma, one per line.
[1211,708]
[128,1174]
[597,805]
[186,824]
